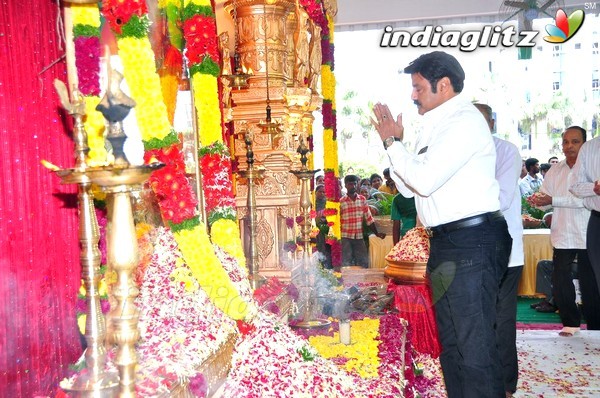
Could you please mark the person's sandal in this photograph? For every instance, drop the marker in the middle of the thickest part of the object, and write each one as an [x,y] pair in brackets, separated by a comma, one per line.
[546,307]
[568,331]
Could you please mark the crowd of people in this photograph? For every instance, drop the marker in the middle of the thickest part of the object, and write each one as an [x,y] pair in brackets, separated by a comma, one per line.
[476,229]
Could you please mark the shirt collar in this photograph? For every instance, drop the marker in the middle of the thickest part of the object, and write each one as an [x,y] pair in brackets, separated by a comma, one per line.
[436,115]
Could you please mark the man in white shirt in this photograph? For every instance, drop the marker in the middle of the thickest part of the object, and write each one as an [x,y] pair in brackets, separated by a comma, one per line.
[568,235]
[586,185]
[469,239]
[532,182]
[508,170]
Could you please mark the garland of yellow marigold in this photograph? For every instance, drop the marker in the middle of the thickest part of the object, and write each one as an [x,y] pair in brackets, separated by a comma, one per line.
[86,42]
[200,35]
[330,150]
[129,21]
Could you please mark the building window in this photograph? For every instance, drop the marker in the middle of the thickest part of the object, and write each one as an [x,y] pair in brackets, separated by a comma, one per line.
[595,84]
[577,46]
[595,48]
[556,51]
[556,81]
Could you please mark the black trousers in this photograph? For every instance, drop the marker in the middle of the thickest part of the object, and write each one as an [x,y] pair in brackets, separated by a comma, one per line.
[506,327]
[589,278]
[564,290]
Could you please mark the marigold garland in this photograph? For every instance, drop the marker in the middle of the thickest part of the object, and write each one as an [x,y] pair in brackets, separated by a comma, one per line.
[222,232]
[128,19]
[140,73]
[201,259]
[329,132]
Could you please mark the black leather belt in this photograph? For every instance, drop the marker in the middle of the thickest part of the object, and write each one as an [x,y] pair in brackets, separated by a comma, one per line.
[464,223]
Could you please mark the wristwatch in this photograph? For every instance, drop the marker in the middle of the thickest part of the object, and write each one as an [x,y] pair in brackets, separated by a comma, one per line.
[389,141]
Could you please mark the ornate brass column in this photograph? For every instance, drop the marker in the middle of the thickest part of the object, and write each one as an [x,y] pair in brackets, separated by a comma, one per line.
[251,174]
[96,381]
[118,180]
[274,42]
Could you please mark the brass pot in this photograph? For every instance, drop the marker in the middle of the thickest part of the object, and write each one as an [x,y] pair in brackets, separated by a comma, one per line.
[404,272]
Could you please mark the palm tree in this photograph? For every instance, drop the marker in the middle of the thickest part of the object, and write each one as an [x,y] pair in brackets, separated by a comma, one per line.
[355,115]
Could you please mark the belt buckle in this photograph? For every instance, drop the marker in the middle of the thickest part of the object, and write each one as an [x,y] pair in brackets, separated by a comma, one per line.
[429,232]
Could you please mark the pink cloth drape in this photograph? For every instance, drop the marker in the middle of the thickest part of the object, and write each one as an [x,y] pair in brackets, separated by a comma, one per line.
[39,266]
[414,304]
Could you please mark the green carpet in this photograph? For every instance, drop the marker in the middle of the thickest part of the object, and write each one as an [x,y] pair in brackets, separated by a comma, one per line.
[526,314]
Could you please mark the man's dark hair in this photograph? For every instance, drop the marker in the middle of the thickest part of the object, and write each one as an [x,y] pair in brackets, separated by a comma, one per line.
[351,178]
[437,65]
[581,130]
[386,172]
[545,166]
[552,157]
[485,108]
[529,163]
[374,176]
[319,187]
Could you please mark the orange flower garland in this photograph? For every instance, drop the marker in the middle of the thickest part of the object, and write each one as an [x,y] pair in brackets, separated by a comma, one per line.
[129,21]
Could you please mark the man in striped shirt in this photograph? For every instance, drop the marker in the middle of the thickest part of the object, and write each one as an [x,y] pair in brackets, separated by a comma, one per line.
[568,235]
[353,210]
[586,185]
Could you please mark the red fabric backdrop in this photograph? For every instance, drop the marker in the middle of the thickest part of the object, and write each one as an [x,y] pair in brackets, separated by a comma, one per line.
[39,265]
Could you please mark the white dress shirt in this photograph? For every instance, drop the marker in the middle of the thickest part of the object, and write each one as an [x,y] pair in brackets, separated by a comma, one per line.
[508,172]
[569,217]
[586,171]
[451,174]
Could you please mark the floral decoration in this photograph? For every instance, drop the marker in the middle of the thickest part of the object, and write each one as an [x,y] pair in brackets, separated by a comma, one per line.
[177,202]
[121,13]
[215,164]
[175,196]
[202,51]
[86,42]
[272,361]
[361,357]
[330,131]
[179,327]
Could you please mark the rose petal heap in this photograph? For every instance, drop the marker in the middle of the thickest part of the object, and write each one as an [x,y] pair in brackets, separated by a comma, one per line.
[413,247]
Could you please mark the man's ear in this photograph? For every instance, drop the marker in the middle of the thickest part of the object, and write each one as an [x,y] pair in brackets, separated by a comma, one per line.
[444,84]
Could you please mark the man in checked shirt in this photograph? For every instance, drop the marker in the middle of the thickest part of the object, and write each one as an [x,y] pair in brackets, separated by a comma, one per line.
[353,210]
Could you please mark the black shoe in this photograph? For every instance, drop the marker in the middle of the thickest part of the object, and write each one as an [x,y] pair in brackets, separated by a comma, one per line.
[546,307]
[535,305]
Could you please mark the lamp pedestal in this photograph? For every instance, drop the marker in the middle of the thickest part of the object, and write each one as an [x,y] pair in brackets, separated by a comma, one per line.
[305,176]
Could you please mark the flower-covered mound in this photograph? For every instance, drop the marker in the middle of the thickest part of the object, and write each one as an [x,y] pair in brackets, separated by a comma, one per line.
[180,328]
[413,247]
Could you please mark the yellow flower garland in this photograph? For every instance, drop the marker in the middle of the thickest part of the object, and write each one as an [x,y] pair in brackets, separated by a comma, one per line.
[144,84]
[94,126]
[85,14]
[225,233]
[206,101]
[200,257]
[330,148]
[328,84]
